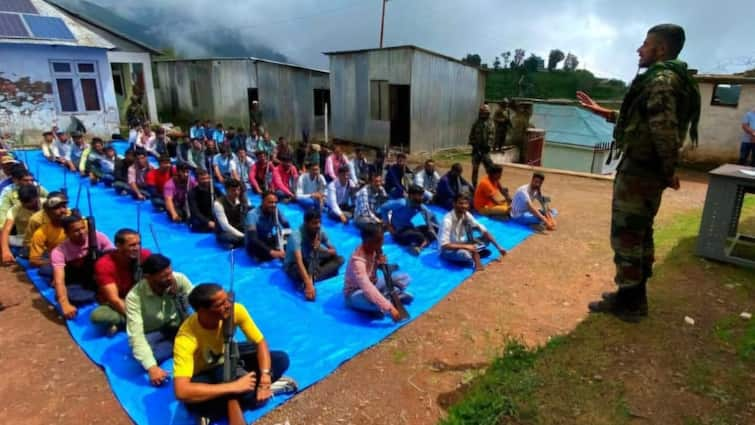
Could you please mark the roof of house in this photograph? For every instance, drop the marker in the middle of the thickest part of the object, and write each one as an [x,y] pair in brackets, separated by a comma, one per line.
[724,79]
[571,125]
[38,22]
[85,12]
[237,58]
[406,46]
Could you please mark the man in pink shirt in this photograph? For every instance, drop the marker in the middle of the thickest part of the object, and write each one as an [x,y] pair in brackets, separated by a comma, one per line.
[362,289]
[284,179]
[333,162]
[73,266]
[175,193]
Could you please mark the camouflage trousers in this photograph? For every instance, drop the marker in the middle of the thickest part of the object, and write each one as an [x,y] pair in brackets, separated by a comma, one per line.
[477,159]
[636,198]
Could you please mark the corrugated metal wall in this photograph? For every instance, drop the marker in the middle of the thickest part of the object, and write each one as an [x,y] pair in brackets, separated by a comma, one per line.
[445,97]
[286,94]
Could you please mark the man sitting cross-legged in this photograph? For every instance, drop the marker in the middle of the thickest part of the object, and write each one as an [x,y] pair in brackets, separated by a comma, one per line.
[197,355]
[157,179]
[18,219]
[451,184]
[49,234]
[229,212]
[403,231]
[310,188]
[175,193]
[363,289]
[310,257]
[265,230]
[490,198]
[200,204]
[155,308]
[456,239]
[285,177]
[116,273]
[523,209]
[73,265]
[340,196]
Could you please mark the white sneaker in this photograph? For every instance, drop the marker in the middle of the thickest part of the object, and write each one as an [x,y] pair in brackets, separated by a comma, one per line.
[284,385]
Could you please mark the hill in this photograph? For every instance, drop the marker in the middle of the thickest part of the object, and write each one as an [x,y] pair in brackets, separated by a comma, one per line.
[557,84]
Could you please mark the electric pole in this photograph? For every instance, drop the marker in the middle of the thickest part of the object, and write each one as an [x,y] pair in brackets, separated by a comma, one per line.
[382,24]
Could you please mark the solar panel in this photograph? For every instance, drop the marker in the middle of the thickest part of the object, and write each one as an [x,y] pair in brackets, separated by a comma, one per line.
[12,26]
[48,27]
[18,6]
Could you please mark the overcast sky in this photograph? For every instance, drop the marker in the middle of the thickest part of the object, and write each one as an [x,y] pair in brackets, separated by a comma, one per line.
[603,34]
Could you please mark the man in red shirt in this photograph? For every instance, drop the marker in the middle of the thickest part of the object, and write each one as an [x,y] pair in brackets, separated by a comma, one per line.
[115,274]
[156,180]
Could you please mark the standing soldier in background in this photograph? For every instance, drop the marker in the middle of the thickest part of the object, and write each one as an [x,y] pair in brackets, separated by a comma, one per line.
[502,119]
[481,138]
[661,104]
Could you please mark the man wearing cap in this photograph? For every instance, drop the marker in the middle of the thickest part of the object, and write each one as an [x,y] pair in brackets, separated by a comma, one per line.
[8,164]
[339,196]
[115,273]
[155,308]
[61,150]
[9,195]
[400,224]
[50,234]
[18,218]
[73,266]
[284,179]
[481,137]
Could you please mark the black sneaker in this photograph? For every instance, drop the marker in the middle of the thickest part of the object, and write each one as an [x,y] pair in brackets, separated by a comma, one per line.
[628,305]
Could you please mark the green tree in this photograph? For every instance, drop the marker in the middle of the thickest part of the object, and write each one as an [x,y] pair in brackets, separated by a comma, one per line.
[472,59]
[497,63]
[571,62]
[533,63]
[554,57]
[518,58]
[506,56]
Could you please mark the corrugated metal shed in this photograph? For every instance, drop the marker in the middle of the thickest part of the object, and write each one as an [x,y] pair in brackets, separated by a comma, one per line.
[571,125]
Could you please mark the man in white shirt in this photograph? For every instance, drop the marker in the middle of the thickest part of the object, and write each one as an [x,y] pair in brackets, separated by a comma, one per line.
[523,209]
[428,179]
[457,243]
[61,150]
[310,188]
[340,196]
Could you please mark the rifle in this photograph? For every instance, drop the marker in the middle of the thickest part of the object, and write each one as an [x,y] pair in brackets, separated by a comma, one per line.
[64,189]
[186,199]
[480,245]
[78,197]
[393,295]
[154,238]
[281,234]
[138,217]
[230,348]
[314,261]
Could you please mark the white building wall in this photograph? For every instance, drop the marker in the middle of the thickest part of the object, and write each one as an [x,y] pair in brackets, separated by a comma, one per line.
[28,100]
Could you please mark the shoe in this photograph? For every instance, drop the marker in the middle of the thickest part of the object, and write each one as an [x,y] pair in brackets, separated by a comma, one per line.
[629,305]
[112,330]
[284,385]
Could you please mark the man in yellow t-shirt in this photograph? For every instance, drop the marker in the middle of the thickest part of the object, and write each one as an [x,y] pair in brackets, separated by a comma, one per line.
[198,360]
[490,198]
[50,234]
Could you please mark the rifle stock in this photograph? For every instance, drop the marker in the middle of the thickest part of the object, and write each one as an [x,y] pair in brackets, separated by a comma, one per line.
[393,295]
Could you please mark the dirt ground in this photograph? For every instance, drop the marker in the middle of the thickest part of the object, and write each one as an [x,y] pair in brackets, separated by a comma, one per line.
[539,290]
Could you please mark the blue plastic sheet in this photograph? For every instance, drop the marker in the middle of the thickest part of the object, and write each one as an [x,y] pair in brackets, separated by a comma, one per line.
[318,336]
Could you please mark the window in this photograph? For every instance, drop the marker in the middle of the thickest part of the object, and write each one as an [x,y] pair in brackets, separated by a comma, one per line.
[77,86]
[726,95]
[322,96]
[379,100]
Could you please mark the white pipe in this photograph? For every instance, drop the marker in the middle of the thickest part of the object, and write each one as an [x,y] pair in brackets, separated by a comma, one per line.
[326,123]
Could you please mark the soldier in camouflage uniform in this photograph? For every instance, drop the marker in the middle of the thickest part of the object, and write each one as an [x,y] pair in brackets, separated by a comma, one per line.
[481,138]
[502,119]
[661,104]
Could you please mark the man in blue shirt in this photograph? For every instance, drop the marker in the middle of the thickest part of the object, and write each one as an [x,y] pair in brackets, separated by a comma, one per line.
[748,139]
[451,185]
[400,224]
[266,229]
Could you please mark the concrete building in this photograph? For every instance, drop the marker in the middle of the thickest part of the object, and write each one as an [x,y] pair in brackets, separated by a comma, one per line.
[292,98]
[575,139]
[403,96]
[55,67]
[725,99]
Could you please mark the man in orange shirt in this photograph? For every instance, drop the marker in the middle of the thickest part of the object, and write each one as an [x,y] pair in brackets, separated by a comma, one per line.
[490,198]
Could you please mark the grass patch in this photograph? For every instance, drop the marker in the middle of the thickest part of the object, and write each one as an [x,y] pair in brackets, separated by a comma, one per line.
[661,370]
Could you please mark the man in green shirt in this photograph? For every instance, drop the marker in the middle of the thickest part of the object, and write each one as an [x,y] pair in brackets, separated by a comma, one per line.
[155,308]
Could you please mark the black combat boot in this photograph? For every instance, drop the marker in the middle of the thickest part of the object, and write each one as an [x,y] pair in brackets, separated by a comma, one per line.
[628,304]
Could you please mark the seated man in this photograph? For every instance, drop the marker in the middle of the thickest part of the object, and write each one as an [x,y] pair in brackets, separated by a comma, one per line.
[362,167]
[398,177]
[9,196]
[50,234]
[175,193]
[403,231]
[18,218]
[334,162]
[137,176]
[155,308]
[310,257]
[261,174]
[79,150]
[456,237]
[47,139]
[156,180]
[8,163]
[491,198]
[310,188]
[371,202]
[197,355]
[73,266]
[363,289]
[224,164]
[340,196]
[61,150]
[121,172]
[116,272]
[229,211]
[200,205]
[450,185]
[523,209]
[196,156]
[266,230]
[428,179]
[284,179]
[100,164]
[243,166]
[146,140]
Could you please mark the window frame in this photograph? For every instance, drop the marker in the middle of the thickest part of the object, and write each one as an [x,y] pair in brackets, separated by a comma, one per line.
[714,102]
[77,76]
